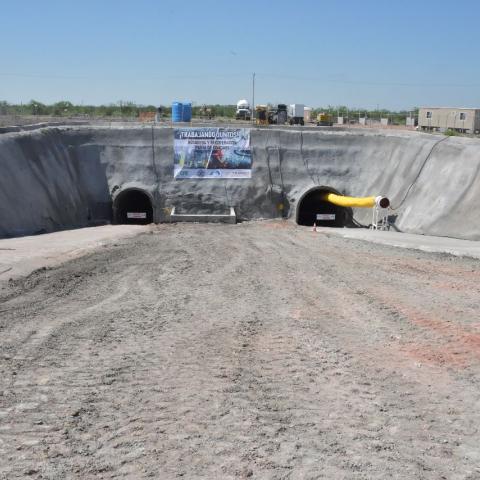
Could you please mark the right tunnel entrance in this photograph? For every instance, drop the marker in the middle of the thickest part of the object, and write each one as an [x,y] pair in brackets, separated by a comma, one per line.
[311,208]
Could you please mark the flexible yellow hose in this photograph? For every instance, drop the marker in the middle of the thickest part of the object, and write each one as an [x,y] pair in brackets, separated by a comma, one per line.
[342,201]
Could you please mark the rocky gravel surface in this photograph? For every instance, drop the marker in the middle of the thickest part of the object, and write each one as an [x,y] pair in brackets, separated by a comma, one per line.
[260,350]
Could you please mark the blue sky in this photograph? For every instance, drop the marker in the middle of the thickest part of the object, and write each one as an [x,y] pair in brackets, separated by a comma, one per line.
[359,53]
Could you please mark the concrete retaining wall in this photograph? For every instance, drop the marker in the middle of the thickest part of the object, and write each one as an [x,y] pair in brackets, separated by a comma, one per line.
[63,177]
[45,186]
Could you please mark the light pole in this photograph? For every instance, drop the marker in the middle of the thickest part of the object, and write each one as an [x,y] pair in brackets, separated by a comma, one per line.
[253,97]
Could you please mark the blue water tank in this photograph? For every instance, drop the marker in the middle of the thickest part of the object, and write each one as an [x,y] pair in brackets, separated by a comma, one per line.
[187,112]
[177,111]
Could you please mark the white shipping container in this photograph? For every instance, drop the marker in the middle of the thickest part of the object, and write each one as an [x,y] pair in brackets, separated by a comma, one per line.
[296,110]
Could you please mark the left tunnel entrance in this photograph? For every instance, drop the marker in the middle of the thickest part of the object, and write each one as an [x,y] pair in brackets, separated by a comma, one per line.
[133,207]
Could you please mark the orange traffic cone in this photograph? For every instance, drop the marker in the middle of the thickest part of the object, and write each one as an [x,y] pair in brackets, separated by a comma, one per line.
[314,227]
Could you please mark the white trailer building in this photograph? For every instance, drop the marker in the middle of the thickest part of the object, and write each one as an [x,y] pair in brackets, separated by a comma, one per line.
[464,120]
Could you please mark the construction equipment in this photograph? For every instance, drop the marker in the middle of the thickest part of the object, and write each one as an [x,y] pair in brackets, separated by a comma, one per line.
[243,110]
[261,114]
[324,120]
[296,113]
[278,115]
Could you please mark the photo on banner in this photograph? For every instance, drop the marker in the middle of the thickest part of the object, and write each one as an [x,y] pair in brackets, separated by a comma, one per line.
[212,153]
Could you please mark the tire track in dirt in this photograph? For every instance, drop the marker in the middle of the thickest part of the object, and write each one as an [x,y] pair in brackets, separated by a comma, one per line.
[252,351]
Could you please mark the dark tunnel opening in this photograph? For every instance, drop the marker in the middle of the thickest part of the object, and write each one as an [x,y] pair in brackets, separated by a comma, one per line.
[312,209]
[133,207]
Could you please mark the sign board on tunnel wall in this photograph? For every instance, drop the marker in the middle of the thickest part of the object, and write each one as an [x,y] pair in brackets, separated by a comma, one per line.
[325,216]
[212,153]
[136,214]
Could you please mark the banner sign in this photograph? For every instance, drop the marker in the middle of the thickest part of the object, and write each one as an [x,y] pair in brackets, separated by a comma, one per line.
[212,153]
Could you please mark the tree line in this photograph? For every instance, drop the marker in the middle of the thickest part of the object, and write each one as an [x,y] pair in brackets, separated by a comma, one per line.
[127,109]
[68,109]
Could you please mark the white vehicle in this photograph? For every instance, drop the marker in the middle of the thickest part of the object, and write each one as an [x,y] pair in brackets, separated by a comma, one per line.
[243,110]
[296,112]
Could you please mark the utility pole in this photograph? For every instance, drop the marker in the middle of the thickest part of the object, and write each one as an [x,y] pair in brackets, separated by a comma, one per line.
[253,97]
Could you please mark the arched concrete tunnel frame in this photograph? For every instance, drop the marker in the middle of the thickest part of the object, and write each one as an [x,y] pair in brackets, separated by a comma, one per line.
[120,193]
[310,190]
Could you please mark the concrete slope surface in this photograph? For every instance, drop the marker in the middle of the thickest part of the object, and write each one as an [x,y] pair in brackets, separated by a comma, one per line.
[259,350]
[426,243]
[21,256]
[64,177]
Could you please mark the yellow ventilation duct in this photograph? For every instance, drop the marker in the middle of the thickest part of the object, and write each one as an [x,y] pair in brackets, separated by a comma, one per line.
[356,202]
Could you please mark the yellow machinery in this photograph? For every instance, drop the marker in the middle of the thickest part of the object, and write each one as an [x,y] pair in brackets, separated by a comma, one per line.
[261,115]
[324,120]
[356,202]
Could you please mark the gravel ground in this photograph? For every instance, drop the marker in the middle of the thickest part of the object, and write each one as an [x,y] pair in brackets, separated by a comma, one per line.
[261,350]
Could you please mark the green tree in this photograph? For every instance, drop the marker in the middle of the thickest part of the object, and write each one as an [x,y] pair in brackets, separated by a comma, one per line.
[37,108]
[62,108]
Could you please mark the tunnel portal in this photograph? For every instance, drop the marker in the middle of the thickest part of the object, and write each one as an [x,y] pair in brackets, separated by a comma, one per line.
[311,208]
[133,207]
